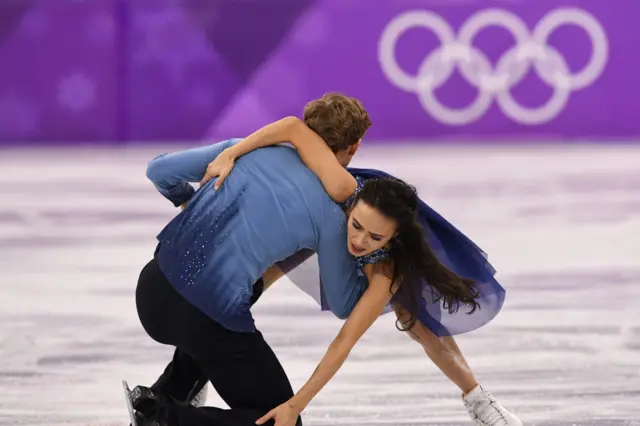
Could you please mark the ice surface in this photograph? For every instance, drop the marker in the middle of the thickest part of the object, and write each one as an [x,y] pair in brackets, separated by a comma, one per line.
[561,225]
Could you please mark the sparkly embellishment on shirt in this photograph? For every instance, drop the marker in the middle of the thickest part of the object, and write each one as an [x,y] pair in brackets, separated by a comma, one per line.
[193,260]
[360,180]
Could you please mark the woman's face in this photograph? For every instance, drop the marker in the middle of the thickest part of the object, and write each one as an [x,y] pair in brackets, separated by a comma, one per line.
[368,230]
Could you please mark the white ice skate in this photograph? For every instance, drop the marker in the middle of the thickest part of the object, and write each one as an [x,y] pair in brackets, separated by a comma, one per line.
[485,410]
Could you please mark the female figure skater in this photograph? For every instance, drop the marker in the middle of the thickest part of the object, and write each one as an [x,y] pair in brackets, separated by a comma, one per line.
[401,244]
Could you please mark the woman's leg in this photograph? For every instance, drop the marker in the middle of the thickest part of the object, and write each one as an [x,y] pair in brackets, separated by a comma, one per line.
[482,407]
[443,351]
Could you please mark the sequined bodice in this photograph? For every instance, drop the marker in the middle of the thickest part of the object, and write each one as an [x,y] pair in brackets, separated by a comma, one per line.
[360,180]
[370,258]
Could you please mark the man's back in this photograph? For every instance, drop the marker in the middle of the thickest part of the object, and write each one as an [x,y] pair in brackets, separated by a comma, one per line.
[270,207]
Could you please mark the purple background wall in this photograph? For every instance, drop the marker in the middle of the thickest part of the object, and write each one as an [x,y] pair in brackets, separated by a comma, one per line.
[150,70]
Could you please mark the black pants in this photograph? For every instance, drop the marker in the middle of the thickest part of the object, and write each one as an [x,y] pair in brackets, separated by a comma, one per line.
[241,366]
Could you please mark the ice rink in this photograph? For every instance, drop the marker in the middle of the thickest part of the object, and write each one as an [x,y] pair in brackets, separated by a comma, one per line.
[561,225]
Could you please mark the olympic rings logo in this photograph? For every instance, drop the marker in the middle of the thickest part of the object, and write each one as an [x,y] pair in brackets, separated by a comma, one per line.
[493,82]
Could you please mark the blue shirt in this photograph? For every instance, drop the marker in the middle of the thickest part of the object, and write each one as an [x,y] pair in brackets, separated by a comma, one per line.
[269,208]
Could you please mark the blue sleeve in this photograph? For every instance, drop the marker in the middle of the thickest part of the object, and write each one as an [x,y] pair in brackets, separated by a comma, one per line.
[171,173]
[339,278]
[292,262]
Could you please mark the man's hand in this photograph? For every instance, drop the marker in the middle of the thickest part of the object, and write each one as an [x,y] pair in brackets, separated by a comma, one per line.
[220,168]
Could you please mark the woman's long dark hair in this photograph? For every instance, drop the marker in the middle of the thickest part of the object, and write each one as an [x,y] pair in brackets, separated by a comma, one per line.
[413,260]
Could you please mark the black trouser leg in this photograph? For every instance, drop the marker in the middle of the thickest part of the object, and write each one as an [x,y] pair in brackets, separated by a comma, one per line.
[241,366]
[183,378]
